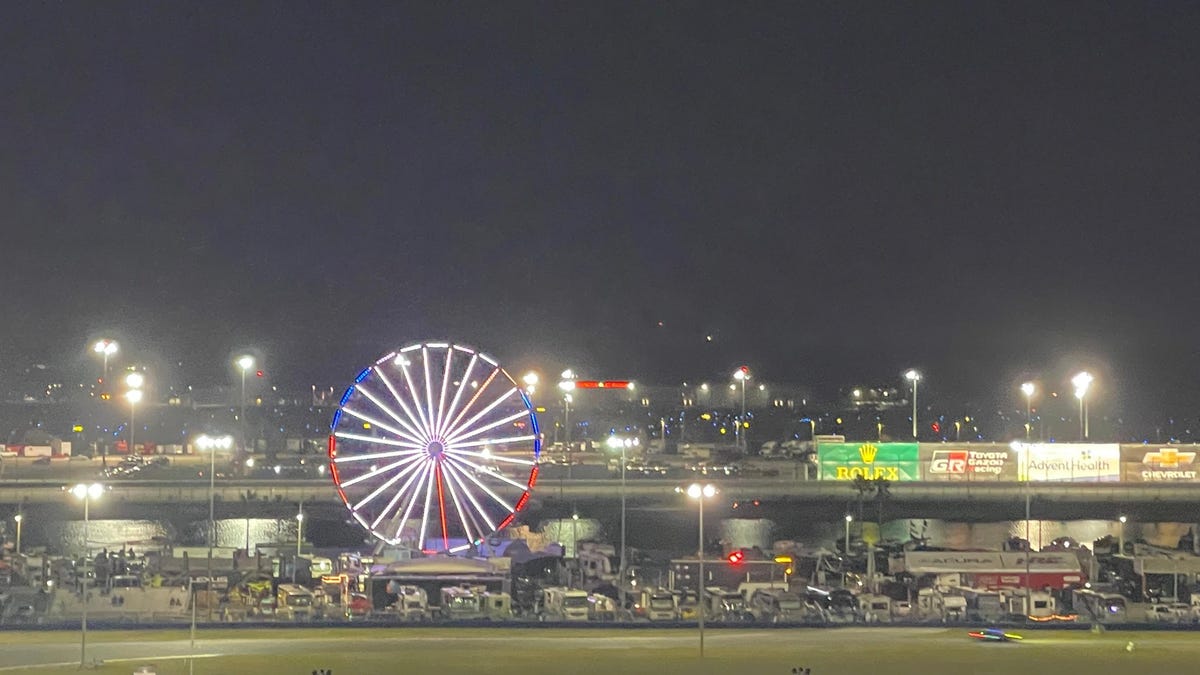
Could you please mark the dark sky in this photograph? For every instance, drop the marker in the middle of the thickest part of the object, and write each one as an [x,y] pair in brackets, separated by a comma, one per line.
[834,191]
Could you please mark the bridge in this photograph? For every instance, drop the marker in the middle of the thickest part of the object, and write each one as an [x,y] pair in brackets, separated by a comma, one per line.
[963,501]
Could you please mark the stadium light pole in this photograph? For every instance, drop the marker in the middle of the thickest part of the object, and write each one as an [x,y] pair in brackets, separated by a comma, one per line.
[914,377]
[700,493]
[134,396]
[1028,389]
[846,551]
[105,348]
[86,493]
[1082,381]
[18,518]
[1121,537]
[741,375]
[244,362]
[617,443]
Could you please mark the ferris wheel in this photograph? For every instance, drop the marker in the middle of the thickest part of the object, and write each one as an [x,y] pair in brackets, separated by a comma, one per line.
[436,445]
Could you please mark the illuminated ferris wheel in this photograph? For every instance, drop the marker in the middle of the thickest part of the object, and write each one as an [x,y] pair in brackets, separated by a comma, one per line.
[434,445]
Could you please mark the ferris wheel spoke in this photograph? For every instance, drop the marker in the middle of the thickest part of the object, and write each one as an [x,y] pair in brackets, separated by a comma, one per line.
[495,458]
[462,384]
[441,409]
[471,477]
[378,491]
[456,474]
[381,470]
[462,515]
[416,400]
[428,392]
[413,430]
[378,440]
[400,399]
[498,423]
[483,469]
[376,423]
[494,441]
[425,511]
[437,469]
[449,430]
[415,473]
[416,492]
[457,432]
[345,459]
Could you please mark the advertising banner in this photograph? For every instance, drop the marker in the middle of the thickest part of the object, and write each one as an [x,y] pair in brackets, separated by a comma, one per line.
[1069,462]
[874,461]
[954,462]
[995,562]
[1160,463]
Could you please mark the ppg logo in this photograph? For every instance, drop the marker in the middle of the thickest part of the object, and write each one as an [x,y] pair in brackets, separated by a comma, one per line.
[948,461]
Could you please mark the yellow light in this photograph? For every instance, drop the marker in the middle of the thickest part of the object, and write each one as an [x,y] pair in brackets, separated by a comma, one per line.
[366,425]
[722,430]
[540,408]
[78,428]
[706,416]
[783,558]
[746,425]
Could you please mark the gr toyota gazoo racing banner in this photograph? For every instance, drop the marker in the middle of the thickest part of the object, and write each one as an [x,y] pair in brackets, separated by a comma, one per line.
[989,462]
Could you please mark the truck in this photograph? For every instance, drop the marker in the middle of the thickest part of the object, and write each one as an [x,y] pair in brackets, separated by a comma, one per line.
[461,603]
[725,605]
[497,605]
[776,605]
[937,606]
[293,603]
[412,602]
[564,604]
[1035,605]
[657,604]
[875,608]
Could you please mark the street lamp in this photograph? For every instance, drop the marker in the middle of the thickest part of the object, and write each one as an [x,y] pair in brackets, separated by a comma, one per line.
[615,443]
[530,379]
[1028,389]
[87,493]
[741,375]
[914,377]
[134,396]
[700,493]
[846,551]
[105,348]
[244,362]
[1082,381]
[1121,539]
[211,444]
[299,538]
[18,518]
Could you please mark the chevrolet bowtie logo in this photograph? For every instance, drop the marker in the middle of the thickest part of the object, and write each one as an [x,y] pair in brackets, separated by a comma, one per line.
[867,452]
[1168,458]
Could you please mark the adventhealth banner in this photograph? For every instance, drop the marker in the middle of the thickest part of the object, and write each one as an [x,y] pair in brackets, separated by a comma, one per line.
[1069,462]
[887,461]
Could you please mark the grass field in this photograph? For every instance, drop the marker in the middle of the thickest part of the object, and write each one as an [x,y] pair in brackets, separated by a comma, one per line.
[867,651]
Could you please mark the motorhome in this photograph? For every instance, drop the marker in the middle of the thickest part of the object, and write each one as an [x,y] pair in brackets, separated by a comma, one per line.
[294,603]
[776,605]
[657,604]
[938,606]
[875,608]
[461,603]
[497,605]
[412,602]
[1102,607]
[601,608]
[725,605]
[1035,605]
[564,604]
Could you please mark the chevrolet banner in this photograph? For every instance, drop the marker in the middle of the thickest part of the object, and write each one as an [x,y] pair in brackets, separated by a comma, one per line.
[975,462]
[1160,463]
[887,461]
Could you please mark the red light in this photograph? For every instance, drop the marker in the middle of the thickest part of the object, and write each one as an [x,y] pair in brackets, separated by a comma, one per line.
[601,384]
[735,558]
[937,428]
[259,373]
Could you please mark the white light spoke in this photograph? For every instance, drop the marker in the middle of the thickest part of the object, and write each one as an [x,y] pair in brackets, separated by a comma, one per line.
[494,441]
[400,399]
[416,400]
[428,392]
[399,495]
[425,515]
[378,491]
[379,440]
[456,432]
[412,501]
[441,409]
[376,423]
[381,470]
[413,431]
[478,392]
[462,515]
[498,423]
[495,458]
[462,384]
[471,477]
[455,471]
[345,459]
[494,474]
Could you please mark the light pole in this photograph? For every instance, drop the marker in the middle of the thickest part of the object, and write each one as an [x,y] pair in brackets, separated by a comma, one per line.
[18,518]
[87,493]
[134,396]
[914,377]
[1082,381]
[244,362]
[741,375]
[1028,389]
[1121,536]
[210,445]
[846,551]
[614,442]
[700,493]
[531,380]
[299,539]
[105,348]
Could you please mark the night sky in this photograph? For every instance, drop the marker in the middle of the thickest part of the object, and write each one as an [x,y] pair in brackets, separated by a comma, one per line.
[833,191]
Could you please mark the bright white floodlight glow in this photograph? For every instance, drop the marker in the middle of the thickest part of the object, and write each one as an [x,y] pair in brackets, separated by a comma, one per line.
[105,347]
[245,362]
[1028,388]
[135,380]
[912,376]
[134,396]
[1082,381]
[93,491]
